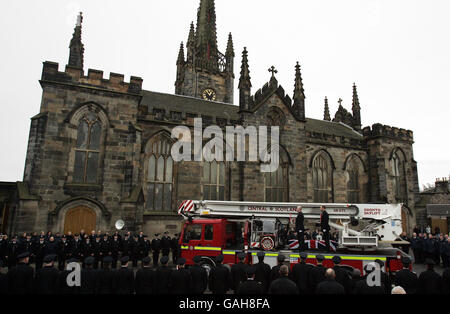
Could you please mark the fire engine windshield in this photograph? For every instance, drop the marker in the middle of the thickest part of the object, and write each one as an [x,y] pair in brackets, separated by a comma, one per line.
[192,232]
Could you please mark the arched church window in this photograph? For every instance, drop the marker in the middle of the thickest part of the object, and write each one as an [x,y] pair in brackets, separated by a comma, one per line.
[159,179]
[353,187]
[214,181]
[321,179]
[276,184]
[399,183]
[87,149]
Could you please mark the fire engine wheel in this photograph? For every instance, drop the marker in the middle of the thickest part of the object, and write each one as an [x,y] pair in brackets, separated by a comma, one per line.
[267,244]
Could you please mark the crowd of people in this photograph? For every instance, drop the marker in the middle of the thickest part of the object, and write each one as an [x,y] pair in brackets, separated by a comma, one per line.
[240,278]
[122,264]
[81,245]
[427,245]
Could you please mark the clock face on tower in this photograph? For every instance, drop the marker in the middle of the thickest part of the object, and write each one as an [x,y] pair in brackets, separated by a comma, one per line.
[209,94]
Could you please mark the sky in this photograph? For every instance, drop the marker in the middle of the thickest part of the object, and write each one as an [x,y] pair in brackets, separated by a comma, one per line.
[396,51]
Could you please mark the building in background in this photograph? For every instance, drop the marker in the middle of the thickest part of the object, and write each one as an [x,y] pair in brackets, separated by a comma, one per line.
[99,148]
[433,209]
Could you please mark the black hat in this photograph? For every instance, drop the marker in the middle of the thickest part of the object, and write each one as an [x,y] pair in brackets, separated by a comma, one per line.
[429,261]
[146,260]
[181,261]
[156,234]
[241,255]
[23,255]
[107,259]
[281,258]
[164,260]
[72,260]
[49,258]
[337,260]
[219,258]
[250,270]
[261,254]
[303,255]
[197,259]
[379,262]
[320,257]
[369,268]
[124,259]
[89,260]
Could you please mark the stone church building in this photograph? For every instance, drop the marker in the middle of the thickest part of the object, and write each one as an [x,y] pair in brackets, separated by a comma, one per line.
[99,149]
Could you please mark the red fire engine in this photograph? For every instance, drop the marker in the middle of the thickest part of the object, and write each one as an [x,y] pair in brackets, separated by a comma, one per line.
[366,232]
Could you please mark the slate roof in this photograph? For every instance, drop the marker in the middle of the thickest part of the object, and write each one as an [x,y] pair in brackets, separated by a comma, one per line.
[187,104]
[331,128]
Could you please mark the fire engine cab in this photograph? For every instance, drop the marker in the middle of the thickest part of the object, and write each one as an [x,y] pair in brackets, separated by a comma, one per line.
[365,232]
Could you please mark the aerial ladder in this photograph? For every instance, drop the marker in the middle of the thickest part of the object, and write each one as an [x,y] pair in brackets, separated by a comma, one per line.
[363,226]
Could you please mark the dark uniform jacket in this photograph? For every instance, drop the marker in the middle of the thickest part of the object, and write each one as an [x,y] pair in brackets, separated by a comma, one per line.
[144,281]
[343,277]
[429,282]
[299,222]
[446,281]
[20,279]
[361,287]
[238,275]
[274,273]
[3,284]
[407,280]
[250,287]
[199,279]
[105,282]
[386,280]
[89,281]
[300,275]
[180,281]
[47,280]
[262,275]
[219,280]
[124,281]
[283,285]
[324,221]
[162,275]
[315,276]
[165,245]
[330,286]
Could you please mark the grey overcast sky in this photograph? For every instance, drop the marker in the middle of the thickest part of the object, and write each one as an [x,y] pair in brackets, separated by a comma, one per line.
[396,51]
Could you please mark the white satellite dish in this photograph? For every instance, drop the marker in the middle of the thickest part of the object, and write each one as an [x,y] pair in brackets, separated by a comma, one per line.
[120,224]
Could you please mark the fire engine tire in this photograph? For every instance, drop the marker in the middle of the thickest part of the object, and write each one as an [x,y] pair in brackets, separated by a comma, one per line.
[267,244]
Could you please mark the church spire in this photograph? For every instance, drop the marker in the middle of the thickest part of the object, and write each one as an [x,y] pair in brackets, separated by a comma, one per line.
[180,60]
[356,109]
[326,115]
[206,35]
[245,84]
[190,45]
[76,57]
[230,48]
[299,94]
